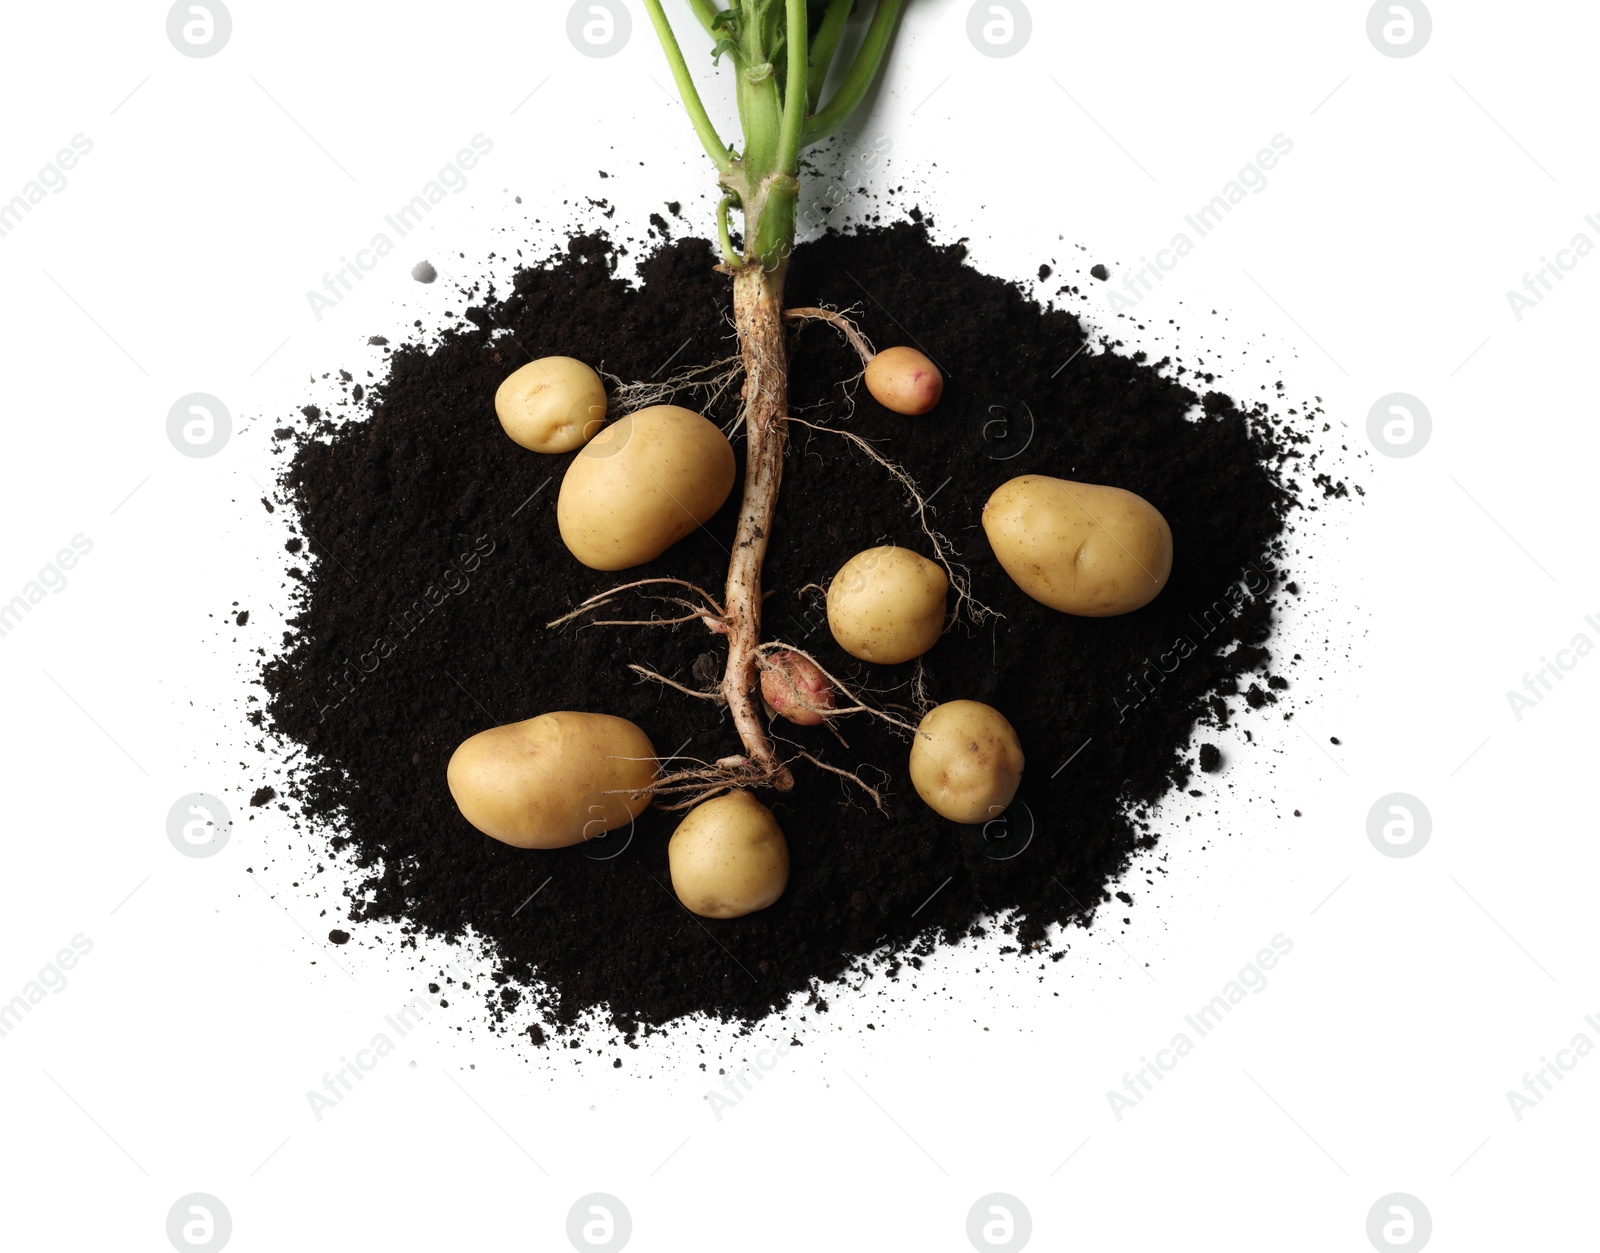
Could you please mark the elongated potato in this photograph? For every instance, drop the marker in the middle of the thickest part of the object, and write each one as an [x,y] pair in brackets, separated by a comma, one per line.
[887,605]
[554,780]
[966,761]
[554,404]
[641,485]
[728,857]
[1078,547]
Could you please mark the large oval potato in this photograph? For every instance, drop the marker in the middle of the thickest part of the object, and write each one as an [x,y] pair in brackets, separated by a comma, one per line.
[554,404]
[1078,547]
[641,485]
[728,857]
[886,605]
[966,761]
[554,780]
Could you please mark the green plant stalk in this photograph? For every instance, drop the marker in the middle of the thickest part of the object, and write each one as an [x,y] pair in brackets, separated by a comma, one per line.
[824,47]
[775,110]
[862,74]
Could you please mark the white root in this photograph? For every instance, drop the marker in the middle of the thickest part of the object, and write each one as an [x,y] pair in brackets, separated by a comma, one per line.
[959,575]
[712,613]
[706,384]
[859,706]
[841,323]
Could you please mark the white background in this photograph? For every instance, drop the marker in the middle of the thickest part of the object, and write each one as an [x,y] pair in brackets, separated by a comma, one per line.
[1419,991]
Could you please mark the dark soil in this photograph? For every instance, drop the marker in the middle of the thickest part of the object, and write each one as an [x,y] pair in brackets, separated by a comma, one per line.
[435,562]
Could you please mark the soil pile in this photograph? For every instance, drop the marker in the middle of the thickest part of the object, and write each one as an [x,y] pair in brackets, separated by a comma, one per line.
[435,563]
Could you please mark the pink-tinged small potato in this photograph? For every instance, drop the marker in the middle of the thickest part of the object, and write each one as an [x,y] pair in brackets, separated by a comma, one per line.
[796,689]
[554,780]
[552,405]
[728,857]
[904,381]
[966,761]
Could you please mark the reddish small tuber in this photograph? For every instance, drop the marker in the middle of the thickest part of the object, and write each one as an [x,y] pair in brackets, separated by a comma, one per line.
[905,381]
[796,689]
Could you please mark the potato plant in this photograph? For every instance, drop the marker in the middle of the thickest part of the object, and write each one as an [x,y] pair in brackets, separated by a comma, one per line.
[658,471]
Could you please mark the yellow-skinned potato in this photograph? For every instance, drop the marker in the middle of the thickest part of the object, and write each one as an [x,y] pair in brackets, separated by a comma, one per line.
[554,404]
[728,857]
[554,780]
[1078,547]
[886,605]
[641,485]
[966,761]
[903,380]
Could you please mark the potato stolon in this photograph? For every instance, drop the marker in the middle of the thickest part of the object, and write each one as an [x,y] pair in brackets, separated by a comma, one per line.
[1078,547]
[554,780]
[641,485]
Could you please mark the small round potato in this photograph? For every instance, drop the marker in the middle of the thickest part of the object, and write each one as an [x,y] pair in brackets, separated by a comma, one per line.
[728,857]
[887,605]
[641,485]
[554,780]
[903,380]
[554,404]
[1078,547]
[966,762]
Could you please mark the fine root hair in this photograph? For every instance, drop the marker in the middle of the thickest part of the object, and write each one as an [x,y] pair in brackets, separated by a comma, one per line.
[960,577]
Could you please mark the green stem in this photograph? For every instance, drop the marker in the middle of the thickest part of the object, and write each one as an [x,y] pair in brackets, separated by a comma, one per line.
[730,258]
[858,81]
[760,105]
[797,92]
[706,11]
[824,48]
[715,148]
